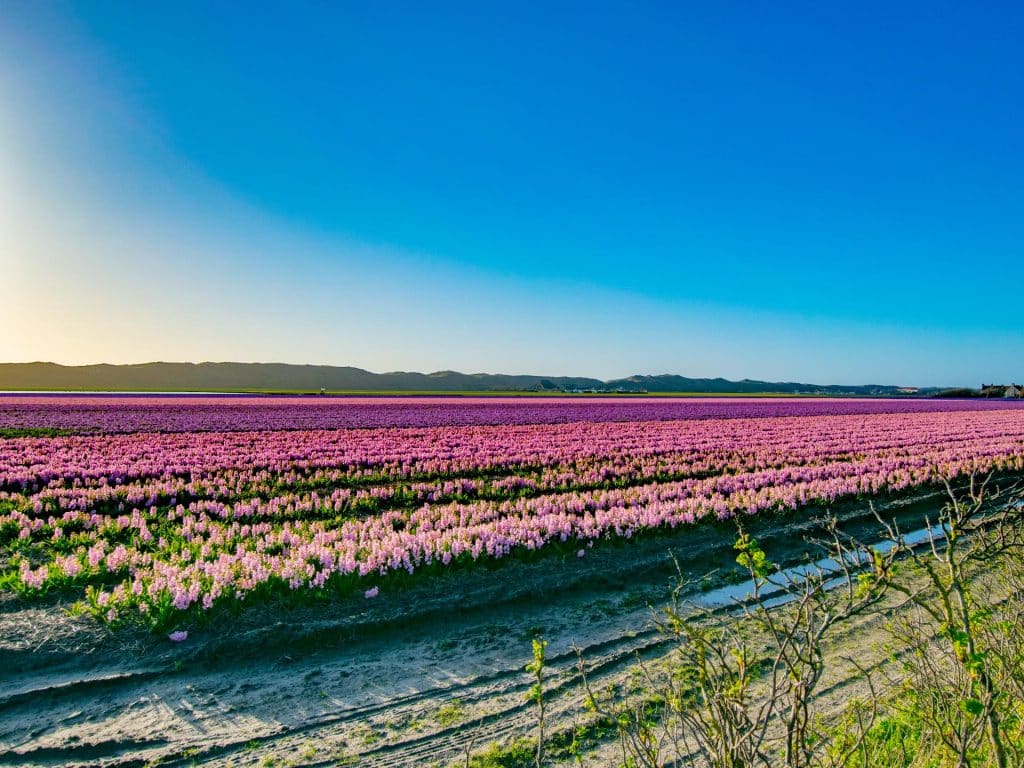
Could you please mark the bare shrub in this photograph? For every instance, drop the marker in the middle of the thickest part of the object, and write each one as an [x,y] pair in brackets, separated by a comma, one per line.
[741,688]
[960,624]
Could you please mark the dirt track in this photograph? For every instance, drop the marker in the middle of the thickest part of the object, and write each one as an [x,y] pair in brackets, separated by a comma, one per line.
[408,678]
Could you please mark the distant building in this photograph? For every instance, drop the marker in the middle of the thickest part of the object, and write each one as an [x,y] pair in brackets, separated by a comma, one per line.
[1002,390]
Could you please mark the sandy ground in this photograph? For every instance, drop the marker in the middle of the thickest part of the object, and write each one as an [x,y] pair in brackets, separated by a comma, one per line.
[414,677]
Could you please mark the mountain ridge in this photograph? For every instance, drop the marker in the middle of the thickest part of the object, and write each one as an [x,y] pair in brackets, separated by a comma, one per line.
[228,376]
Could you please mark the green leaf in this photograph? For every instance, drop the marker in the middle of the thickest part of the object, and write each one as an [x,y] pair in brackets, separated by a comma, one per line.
[972,707]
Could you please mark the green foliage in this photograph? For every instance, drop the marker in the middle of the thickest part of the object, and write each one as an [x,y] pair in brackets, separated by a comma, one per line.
[11,433]
[450,714]
[753,558]
[536,693]
[536,668]
[892,742]
[518,754]
[564,745]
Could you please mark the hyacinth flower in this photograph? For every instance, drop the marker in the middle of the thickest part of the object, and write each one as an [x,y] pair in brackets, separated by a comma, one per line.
[161,524]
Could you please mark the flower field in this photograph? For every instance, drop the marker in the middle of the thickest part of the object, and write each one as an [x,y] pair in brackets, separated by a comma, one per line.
[167,507]
[210,413]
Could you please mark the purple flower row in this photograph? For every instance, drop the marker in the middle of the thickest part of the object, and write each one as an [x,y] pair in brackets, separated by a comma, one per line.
[109,414]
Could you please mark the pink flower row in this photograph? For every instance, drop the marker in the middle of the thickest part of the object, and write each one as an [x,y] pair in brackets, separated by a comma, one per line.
[187,520]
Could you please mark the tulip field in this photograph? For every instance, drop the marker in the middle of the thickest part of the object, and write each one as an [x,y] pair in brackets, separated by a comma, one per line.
[157,509]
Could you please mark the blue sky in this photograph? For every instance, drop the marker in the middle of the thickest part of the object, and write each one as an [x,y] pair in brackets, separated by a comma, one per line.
[827,192]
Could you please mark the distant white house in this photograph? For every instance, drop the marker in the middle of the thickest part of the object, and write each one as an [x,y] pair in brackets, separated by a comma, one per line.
[1007,391]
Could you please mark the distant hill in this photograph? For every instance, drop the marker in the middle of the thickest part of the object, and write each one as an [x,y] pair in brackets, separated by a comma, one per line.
[218,377]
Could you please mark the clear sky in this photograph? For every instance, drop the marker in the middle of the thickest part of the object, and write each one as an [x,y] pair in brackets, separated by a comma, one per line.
[823,192]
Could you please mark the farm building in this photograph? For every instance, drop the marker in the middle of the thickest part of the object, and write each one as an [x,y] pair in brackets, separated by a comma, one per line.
[1002,390]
